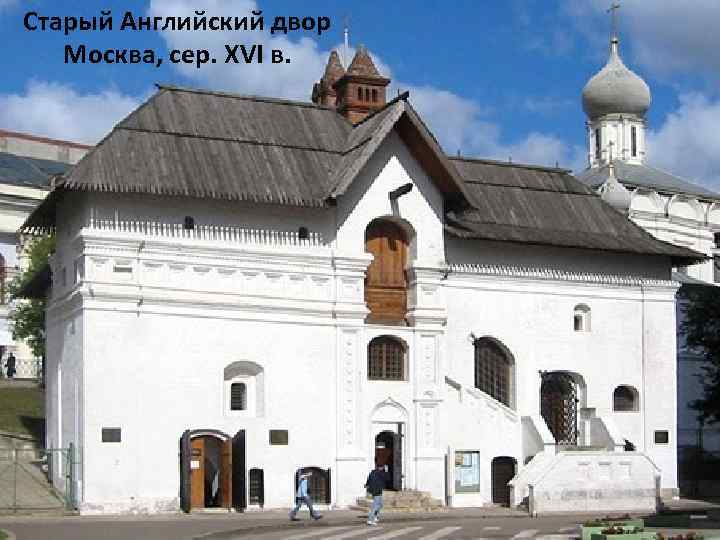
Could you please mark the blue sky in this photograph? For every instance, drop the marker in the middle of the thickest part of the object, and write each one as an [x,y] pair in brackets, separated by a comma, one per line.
[492,79]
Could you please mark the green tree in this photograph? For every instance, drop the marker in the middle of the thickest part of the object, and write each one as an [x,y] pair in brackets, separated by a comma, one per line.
[701,328]
[28,315]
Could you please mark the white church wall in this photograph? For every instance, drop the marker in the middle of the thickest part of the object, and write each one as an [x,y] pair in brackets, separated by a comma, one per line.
[177,384]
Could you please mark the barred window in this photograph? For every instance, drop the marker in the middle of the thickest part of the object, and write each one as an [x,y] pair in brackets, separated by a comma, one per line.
[386,359]
[493,370]
[625,399]
[238,397]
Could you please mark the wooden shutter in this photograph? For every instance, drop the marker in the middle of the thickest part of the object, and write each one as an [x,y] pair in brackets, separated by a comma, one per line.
[239,500]
[226,474]
[385,280]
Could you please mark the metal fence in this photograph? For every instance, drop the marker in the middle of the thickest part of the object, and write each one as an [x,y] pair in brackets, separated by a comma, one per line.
[33,479]
[25,368]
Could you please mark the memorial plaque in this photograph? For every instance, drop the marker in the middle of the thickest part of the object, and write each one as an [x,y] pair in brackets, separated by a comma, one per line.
[279,436]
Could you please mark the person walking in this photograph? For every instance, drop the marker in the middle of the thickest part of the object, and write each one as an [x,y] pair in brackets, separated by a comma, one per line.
[302,497]
[10,365]
[375,485]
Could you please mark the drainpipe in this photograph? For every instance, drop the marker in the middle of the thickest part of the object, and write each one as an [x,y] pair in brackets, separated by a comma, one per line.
[643,398]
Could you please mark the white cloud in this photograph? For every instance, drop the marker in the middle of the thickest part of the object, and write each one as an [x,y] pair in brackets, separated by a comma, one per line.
[687,143]
[666,36]
[59,111]
[459,124]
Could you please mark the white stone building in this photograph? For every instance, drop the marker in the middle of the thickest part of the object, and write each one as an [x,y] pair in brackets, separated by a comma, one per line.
[27,167]
[245,286]
[616,101]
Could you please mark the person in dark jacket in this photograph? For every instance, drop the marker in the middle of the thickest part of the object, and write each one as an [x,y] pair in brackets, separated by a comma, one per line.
[10,365]
[375,485]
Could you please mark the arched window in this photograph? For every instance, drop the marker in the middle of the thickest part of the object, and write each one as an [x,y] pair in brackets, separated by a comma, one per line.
[493,370]
[581,318]
[318,483]
[360,94]
[598,143]
[386,359]
[238,397]
[625,398]
[244,389]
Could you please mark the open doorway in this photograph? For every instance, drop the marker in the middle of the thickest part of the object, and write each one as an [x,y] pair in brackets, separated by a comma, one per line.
[388,454]
[212,470]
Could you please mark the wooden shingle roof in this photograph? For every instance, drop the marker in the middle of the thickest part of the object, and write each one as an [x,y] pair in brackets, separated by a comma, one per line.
[195,143]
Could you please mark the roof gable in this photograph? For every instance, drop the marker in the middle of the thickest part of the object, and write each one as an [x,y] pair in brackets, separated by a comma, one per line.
[368,135]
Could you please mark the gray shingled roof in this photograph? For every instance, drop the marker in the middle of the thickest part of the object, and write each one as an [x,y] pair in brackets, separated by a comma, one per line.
[216,145]
[645,176]
[25,171]
[516,203]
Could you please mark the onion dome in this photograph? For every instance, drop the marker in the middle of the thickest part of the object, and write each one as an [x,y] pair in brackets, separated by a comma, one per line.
[614,193]
[615,89]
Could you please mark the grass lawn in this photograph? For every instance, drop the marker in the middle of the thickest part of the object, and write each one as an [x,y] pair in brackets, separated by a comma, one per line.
[3,536]
[22,410]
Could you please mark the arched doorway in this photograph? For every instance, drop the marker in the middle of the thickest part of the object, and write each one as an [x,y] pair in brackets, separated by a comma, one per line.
[388,454]
[502,471]
[212,470]
[385,279]
[558,406]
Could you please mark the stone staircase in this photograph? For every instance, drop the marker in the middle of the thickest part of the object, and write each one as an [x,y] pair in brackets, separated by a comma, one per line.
[402,501]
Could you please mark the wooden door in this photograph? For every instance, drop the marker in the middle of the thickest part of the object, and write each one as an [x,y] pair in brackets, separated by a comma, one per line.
[503,470]
[239,500]
[197,472]
[397,469]
[226,474]
[185,456]
[385,280]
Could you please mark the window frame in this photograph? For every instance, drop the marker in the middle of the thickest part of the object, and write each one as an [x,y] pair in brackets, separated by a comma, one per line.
[583,313]
[385,341]
[489,379]
[243,396]
[634,404]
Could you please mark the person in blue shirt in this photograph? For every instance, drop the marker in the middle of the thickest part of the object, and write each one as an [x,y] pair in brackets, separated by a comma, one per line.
[302,497]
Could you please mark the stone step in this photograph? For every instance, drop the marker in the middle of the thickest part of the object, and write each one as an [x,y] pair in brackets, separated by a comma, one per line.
[402,501]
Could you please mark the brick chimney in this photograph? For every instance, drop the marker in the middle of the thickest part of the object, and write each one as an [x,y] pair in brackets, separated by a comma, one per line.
[361,89]
[324,90]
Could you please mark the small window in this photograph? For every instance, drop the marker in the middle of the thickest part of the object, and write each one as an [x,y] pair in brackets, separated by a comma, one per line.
[360,94]
[662,437]
[625,398]
[188,223]
[303,233]
[374,95]
[367,94]
[238,397]
[633,140]
[581,318]
[598,133]
[386,359]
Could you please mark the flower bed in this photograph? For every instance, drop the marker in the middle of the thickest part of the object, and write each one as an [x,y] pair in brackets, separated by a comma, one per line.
[597,526]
